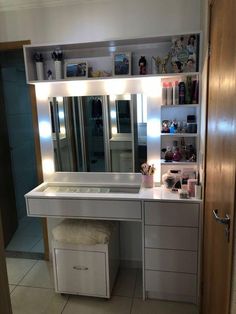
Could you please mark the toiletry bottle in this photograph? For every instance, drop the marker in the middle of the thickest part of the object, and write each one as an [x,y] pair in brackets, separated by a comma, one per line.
[195,90]
[181,93]
[176,93]
[188,90]
[169,93]
[164,94]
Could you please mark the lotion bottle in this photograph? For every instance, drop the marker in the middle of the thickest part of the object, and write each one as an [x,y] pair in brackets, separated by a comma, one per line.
[176,93]
[169,94]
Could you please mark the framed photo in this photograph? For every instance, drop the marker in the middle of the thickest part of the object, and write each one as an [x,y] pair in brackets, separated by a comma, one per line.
[121,63]
[76,68]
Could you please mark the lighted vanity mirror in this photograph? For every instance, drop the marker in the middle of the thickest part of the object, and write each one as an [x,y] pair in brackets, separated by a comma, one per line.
[99,133]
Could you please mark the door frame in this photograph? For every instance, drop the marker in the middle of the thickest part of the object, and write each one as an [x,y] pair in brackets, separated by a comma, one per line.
[16,45]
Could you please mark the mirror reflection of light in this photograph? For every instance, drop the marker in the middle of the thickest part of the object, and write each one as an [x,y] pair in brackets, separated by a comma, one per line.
[48,166]
[62,130]
[112,97]
[142,108]
[113,114]
[60,99]
[61,115]
[157,165]
[153,128]
[44,129]
[114,130]
[42,91]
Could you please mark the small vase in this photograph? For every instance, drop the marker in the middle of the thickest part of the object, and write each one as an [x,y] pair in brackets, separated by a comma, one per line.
[58,70]
[147,181]
[39,71]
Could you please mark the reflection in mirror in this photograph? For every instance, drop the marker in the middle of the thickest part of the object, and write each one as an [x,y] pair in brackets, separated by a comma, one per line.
[99,133]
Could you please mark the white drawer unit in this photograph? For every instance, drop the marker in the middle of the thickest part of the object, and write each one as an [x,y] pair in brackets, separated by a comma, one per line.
[88,208]
[179,238]
[171,286]
[171,214]
[81,272]
[171,260]
[171,240]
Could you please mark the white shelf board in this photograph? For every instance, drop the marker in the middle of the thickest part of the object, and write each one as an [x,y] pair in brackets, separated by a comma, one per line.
[169,75]
[180,134]
[183,163]
[180,106]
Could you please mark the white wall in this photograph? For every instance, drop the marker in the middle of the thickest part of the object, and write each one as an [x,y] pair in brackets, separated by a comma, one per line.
[102,20]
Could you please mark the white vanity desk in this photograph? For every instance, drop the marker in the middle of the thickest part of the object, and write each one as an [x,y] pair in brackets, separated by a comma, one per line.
[170,226]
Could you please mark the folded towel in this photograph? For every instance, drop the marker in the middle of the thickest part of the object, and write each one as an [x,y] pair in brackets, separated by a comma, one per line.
[79,231]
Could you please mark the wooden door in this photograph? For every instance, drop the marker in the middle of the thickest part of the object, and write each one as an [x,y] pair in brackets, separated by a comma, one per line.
[220,158]
[5,303]
[7,194]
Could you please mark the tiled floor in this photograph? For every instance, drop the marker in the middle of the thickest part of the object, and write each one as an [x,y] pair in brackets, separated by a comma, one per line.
[28,236]
[31,286]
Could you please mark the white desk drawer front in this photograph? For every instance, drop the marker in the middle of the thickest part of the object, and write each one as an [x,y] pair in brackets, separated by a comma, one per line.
[178,238]
[83,273]
[85,208]
[171,214]
[166,283]
[171,260]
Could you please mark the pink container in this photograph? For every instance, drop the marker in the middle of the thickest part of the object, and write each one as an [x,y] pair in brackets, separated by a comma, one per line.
[191,187]
[147,181]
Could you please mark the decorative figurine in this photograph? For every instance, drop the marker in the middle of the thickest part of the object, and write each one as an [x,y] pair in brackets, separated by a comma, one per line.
[49,74]
[142,65]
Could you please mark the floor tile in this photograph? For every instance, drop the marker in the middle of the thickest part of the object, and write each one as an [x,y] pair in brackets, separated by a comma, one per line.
[41,276]
[162,307]
[28,300]
[38,248]
[125,282]
[11,288]
[138,291]
[86,305]
[17,268]
[22,243]
[34,229]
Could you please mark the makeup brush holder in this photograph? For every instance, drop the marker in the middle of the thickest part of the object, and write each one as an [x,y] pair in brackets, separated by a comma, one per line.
[147,181]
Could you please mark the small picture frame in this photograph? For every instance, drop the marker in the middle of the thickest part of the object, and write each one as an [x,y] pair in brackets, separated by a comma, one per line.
[76,68]
[121,64]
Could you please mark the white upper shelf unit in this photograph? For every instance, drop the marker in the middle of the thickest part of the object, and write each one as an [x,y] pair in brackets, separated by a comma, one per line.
[164,55]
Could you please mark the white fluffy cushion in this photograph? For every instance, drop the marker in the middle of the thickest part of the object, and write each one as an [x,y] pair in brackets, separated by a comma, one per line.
[79,231]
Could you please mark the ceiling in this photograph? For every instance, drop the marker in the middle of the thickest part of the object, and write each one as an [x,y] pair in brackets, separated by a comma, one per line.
[14,5]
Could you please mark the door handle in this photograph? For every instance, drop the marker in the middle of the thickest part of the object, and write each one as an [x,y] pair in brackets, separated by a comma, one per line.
[223,221]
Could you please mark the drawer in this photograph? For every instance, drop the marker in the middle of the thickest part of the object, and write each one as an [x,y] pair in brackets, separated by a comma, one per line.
[171,260]
[59,207]
[80,272]
[171,214]
[172,286]
[179,238]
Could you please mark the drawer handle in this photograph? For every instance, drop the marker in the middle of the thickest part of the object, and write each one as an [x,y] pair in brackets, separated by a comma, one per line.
[80,268]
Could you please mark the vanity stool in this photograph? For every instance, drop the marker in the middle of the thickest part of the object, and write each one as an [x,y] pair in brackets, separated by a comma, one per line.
[85,256]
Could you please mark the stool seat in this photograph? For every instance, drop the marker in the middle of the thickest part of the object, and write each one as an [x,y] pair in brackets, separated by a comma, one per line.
[83,231]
